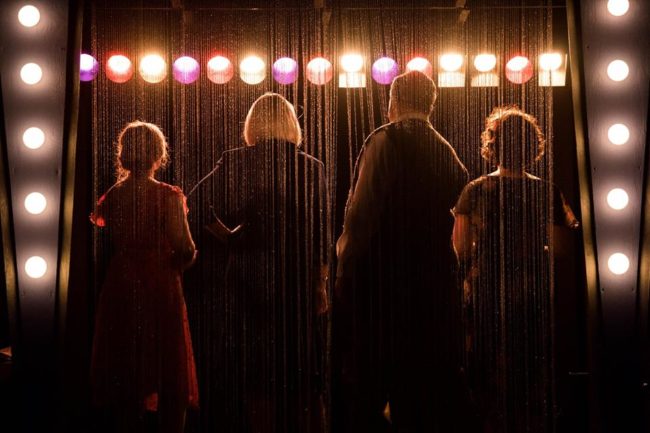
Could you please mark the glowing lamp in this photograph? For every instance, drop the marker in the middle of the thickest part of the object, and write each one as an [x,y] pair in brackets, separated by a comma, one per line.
[88,67]
[119,69]
[451,62]
[384,70]
[153,68]
[451,74]
[353,75]
[35,267]
[35,203]
[617,199]
[186,70]
[618,70]
[519,70]
[618,7]
[618,263]
[485,62]
[252,70]
[29,16]
[352,62]
[618,134]
[31,73]
[550,61]
[220,70]
[420,64]
[319,71]
[33,138]
[552,70]
[285,70]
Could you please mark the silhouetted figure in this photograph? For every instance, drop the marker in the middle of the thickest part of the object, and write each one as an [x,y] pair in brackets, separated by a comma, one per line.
[266,204]
[142,352]
[505,225]
[395,313]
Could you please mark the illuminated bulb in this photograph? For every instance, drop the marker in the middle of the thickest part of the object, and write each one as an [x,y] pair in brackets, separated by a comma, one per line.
[186,70]
[451,62]
[29,16]
[153,68]
[33,138]
[252,70]
[35,203]
[550,61]
[352,62]
[319,71]
[220,70]
[485,62]
[384,70]
[617,199]
[618,7]
[119,69]
[285,70]
[420,64]
[31,73]
[618,263]
[618,70]
[618,134]
[88,67]
[519,70]
[35,267]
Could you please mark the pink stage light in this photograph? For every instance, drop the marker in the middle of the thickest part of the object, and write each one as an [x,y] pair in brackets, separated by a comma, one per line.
[220,70]
[420,64]
[319,71]
[519,70]
[285,70]
[384,70]
[186,70]
[88,67]
[119,69]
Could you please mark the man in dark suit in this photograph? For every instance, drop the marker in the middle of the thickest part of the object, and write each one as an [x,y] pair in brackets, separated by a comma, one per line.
[396,311]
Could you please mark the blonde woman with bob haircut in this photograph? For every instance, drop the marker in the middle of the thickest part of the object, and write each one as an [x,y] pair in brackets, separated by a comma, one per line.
[266,206]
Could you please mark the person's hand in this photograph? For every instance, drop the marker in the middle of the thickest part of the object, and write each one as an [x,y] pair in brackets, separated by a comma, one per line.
[322,303]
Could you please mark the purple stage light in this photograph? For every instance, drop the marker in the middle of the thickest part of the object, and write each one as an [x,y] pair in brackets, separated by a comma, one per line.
[285,70]
[186,70]
[384,70]
[88,67]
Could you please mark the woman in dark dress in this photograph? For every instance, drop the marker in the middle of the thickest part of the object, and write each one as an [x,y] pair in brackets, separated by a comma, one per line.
[142,352]
[267,204]
[508,226]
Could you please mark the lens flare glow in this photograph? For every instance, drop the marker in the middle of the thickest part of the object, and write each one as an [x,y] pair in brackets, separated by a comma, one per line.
[153,68]
[35,267]
[252,70]
[451,62]
[35,203]
[33,138]
[186,70]
[29,16]
[285,70]
[88,67]
[220,70]
[519,70]
[319,71]
[550,61]
[420,64]
[485,62]
[618,70]
[119,69]
[384,70]
[618,7]
[31,73]
[618,134]
[352,62]
[617,199]
[618,263]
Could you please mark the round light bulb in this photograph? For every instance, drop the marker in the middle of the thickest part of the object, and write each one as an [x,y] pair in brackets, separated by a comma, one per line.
[618,7]
[153,68]
[220,70]
[186,70]
[519,70]
[35,203]
[617,199]
[35,267]
[352,62]
[550,61]
[29,16]
[420,64]
[252,70]
[33,138]
[618,263]
[618,70]
[88,67]
[31,73]
[319,71]
[485,62]
[451,62]
[618,134]
[119,68]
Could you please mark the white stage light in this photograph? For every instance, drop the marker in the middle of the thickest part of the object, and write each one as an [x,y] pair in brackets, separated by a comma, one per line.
[485,62]
[153,68]
[35,203]
[618,263]
[618,70]
[451,62]
[618,7]
[550,61]
[35,267]
[29,16]
[618,134]
[33,138]
[352,62]
[252,70]
[31,73]
[617,199]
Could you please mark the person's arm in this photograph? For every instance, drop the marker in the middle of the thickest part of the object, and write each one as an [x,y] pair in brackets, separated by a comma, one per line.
[178,231]
[366,202]
[462,236]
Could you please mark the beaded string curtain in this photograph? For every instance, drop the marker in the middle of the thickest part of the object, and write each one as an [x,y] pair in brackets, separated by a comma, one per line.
[203,119]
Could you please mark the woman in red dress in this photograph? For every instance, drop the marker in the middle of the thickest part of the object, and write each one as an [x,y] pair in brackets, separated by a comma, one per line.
[142,352]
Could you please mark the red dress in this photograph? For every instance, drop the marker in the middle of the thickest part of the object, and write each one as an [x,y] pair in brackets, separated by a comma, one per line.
[142,350]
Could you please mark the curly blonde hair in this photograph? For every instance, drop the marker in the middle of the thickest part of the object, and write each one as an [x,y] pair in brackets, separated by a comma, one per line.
[494,122]
[140,146]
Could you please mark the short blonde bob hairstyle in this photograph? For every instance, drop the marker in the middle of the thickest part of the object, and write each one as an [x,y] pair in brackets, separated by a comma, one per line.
[140,146]
[272,117]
